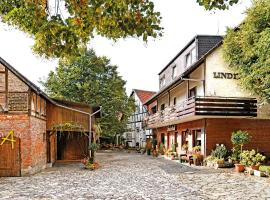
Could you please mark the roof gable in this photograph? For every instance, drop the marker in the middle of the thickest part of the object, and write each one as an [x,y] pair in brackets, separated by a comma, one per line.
[143,95]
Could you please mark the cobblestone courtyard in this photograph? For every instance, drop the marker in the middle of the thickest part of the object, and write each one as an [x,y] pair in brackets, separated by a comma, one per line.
[134,176]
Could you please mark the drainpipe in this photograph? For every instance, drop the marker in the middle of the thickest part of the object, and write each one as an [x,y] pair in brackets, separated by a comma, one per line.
[90,128]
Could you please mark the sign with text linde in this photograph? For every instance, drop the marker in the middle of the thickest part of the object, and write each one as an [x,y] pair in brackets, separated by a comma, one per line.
[225,75]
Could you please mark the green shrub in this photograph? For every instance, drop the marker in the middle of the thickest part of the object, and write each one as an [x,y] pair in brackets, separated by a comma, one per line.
[220,152]
[251,158]
[197,148]
[239,138]
[264,168]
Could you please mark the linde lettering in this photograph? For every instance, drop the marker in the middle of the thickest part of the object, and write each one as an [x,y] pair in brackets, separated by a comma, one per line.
[223,75]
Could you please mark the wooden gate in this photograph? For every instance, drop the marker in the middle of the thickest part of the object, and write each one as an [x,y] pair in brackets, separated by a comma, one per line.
[10,159]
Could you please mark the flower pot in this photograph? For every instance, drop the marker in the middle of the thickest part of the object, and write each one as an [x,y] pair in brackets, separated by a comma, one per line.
[259,173]
[239,168]
[256,167]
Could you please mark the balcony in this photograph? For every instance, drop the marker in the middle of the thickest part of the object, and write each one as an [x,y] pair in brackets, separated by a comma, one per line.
[201,107]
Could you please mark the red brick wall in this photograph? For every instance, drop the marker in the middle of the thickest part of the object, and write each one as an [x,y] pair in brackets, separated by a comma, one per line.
[218,131]
[33,145]
[21,126]
[38,138]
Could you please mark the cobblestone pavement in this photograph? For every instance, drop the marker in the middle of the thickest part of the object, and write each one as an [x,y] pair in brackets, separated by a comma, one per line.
[133,176]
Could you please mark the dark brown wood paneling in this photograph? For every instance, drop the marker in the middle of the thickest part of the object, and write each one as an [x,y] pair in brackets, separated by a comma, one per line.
[10,161]
[57,115]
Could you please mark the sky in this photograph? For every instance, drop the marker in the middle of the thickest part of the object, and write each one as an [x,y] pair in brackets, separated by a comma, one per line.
[138,62]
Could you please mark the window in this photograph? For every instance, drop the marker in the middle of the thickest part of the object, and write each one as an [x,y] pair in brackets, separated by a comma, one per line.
[174,71]
[174,101]
[162,107]
[154,110]
[191,57]
[162,81]
[188,59]
[198,137]
[192,92]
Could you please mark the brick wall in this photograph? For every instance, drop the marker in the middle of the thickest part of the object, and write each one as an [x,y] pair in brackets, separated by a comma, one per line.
[33,146]
[218,131]
[38,148]
[20,124]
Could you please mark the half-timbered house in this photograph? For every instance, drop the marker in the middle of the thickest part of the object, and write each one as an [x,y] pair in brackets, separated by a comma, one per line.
[35,130]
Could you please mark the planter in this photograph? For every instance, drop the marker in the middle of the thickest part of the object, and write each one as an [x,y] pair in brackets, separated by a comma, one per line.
[259,173]
[255,167]
[239,168]
[250,170]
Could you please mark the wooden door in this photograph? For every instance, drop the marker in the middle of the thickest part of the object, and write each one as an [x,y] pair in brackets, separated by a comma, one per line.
[10,159]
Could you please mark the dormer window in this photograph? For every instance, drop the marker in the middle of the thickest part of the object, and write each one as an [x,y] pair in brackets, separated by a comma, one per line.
[162,81]
[191,57]
[174,71]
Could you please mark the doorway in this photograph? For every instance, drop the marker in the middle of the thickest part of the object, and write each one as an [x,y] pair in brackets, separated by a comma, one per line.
[71,146]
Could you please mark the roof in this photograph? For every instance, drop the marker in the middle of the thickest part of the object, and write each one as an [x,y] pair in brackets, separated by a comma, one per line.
[187,72]
[70,103]
[183,49]
[143,95]
[25,80]
[36,88]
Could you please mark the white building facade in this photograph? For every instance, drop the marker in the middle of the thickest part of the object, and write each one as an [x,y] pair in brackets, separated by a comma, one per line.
[137,131]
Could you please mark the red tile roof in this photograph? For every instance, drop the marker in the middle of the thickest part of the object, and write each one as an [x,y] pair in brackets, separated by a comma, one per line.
[144,95]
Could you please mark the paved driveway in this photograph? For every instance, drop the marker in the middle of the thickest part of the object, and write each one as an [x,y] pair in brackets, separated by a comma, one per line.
[134,176]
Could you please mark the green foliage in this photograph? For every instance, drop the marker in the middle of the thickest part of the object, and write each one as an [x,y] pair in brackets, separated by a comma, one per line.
[185,147]
[154,142]
[239,138]
[196,148]
[246,50]
[58,36]
[236,151]
[264,168]
[68,126]
[220,152]
[94,147]
[217,4]
[161,147]
[173,148]
[251,158]
[93,80]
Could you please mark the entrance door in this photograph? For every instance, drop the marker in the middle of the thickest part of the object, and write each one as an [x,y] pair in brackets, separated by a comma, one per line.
[10,160]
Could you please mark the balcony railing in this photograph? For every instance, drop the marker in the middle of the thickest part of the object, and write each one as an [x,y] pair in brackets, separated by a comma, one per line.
[205,106]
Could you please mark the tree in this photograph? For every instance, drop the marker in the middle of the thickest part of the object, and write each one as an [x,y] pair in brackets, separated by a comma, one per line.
[65,29]
[247,50]
[217,4]
[93,80]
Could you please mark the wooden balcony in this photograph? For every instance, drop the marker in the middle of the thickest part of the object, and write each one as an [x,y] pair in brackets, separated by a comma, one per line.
[201,107]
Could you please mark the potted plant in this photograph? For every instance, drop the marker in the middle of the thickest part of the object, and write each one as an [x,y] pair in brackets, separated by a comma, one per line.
[155,153]
[196,148]
[161,149]
[185,147]
[251,159]
[239,138]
